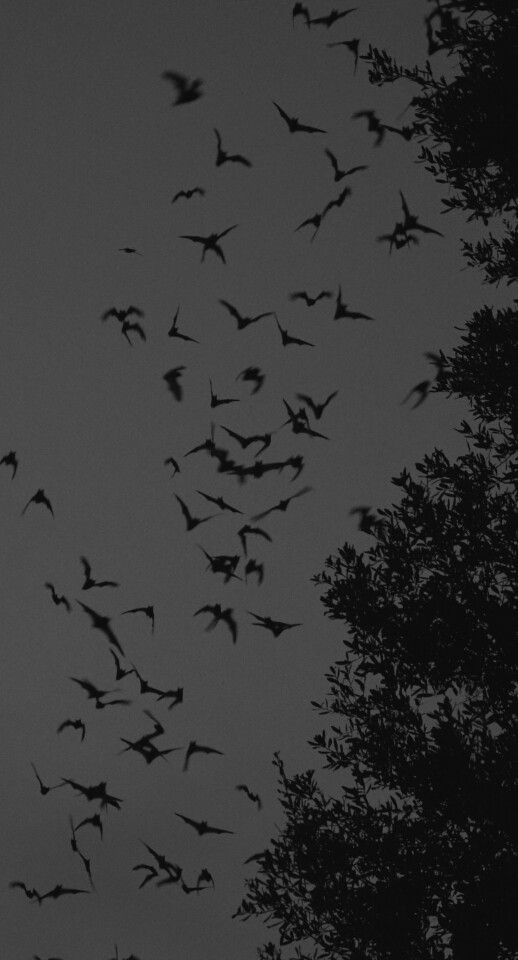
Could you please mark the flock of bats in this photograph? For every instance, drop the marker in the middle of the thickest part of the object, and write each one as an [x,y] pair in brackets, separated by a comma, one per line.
[159,870]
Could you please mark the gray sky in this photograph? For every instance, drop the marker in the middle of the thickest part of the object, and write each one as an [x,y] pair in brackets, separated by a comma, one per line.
[92,155]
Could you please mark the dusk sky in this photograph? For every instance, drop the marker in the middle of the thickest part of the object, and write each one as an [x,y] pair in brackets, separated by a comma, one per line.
[93,153]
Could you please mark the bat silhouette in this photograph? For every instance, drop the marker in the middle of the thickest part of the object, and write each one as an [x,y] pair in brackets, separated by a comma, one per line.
[222,563]
[57,600]
[95,792]
[242,321]
[210,243]
[75,724]
[60,891]
[247,530]
[30,892]
[120,673]
[205,877]
[162,862]
[223,156]
[411,221]
[130,250]
[342,312]
[192,522]
[340,174]
[331,17]
[244,442]
[121,315]
[282,505]
[126,328]
[171,378]
[287,338]
[398,238]
[174,331]
[352,45]
[94,821]
[220,614]
[188,194]
[93,693]
[44,789]
[41,498]
[149,612]
[186,90]
[102,624]
[220,502]
[310,301]
[254,567]
[174,464]
[338,201]
[316,408]
[293,123]
[198,748]
[201,826]
[276,627]
[374,124]
[216,401]
[314,221]
[299,10]
[207,445]
[89,583]
[147,750]
[367,519]
[152,873]
[299,422]
[252,375]
[254,797]
[422,390]
[10,460]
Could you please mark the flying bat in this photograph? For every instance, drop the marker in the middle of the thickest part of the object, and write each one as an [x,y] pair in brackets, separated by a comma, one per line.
[411,221]
[30,892]
[198,748]
[148,611]
[171,378]
[186,90]
[242,321]
[340,174]
[201,826]
[254,797]
[102,624]
[95,792]
[275,626]
[188,194]
[211,242]
[60,891]
[332,17]
[220,502]
[299,10]
[222,563]
[44,789]
[422,390]
[216,401]
[10,460]
[57,600]
[41,498]
[174,464]
[287,338]
[93,693]
[94,821]
[374,124]
[252,375]
[316,408]
[89,582]
[128,326]
[253,566]
[130,250]
[121,315]
[75,724]
[342,311]
[352,45]
[314,221]
[245,442]
[282,505]
[120,673]
[218,613]
[310,301]
[174,331]
[191,521]
[223,156]
[246,530]
[293,123]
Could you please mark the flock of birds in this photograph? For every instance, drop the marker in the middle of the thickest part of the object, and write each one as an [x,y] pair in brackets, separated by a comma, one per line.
[301,419]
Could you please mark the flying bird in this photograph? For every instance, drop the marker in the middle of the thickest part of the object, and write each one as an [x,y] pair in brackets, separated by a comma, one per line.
[332,17]
[101,623]
[252,375]
[75,725]
[41,498]
[246,531]
[56,599]
[10,460]
[186,90]
[220,614]
[342,311]
[340,174]
[223,156]
[171,378]
[254,797]
[216,401]
[276,627]
[89,583]
[174,331]
[191,521]
[310,301]
[288,339]
[242,321]
[293,123]
[211,242]
[201,826]
[148,611]
[188,194]
[316,408]
[198,748]
[282,505]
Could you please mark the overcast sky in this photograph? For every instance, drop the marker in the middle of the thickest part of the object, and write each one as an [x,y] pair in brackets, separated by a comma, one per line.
[93,152]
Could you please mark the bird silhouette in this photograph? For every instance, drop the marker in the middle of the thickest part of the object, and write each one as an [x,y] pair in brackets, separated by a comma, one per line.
[247,531]
[310,301]
[122,314]
[288,339]
[211,242]
[197,748]
[44,789]
[216,401]
[75,725]
[148,611]
[340,174]
[186,90]
[89,583]
[253,566]
[220,614]
[128,326]
[201,826]
[130,250]
[254,797]
[331,18]
[56,599]
[242,321]
[282,505]
[220,502]
[188,194]
[293,123]
[41,498]
[276,627]
[10,460]
[316,408]
[101,623]
[223,156]
[252,375]
[171,378]
[191,521]
[174,331]
[352,45]
[342,311]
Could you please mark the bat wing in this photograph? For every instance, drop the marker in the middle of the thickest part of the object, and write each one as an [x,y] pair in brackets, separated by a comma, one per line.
[283,114]
[228,230]
[305,128]
[135,311]
[217,830]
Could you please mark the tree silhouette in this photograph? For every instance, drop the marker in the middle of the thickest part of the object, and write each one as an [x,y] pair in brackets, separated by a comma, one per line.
[415,857]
